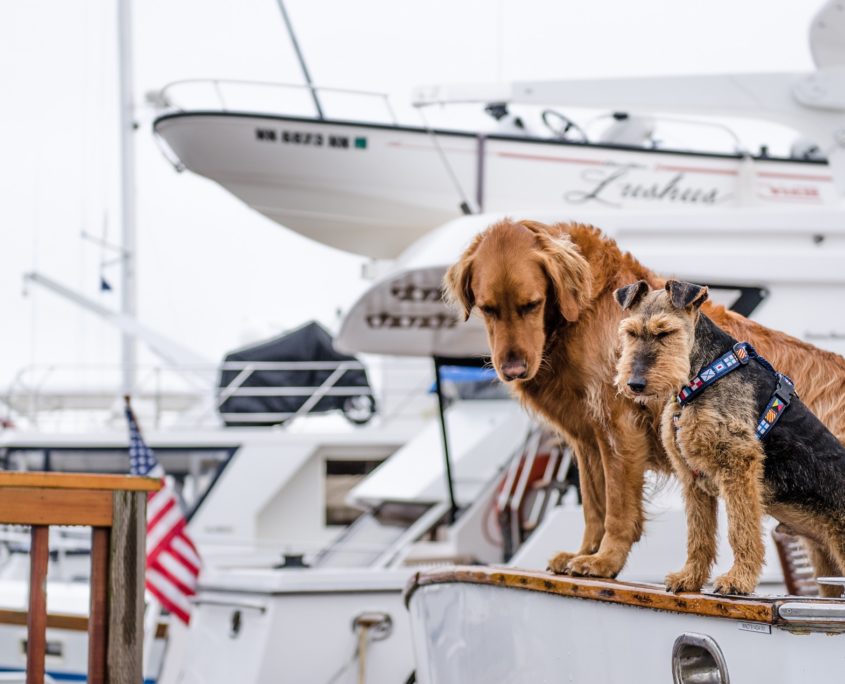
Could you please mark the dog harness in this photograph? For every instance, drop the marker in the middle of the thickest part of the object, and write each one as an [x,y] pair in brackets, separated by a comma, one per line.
[738,356]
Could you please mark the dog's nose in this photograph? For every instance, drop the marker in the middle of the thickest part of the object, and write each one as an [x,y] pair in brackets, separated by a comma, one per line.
[514,369]
[637,385]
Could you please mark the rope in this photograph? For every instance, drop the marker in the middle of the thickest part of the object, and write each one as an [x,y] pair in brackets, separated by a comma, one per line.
[359,654]
[362,654]
[465,206]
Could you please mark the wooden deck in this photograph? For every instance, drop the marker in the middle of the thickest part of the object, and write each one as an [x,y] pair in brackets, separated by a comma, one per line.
[815,613]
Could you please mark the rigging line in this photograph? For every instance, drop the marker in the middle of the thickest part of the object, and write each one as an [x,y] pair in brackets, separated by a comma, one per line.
[465,206]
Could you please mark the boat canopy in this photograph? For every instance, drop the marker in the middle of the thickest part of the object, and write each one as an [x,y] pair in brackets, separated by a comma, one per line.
[295,373]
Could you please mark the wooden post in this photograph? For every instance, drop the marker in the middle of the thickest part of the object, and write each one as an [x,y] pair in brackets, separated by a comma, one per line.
[115,507]
[36,624]
[127,559]
[98,620]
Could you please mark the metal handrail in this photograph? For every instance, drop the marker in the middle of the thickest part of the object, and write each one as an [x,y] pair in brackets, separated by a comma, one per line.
[30,396]
[163,97]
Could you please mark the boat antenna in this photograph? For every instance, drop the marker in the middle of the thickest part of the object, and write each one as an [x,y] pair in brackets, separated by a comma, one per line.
[300,57]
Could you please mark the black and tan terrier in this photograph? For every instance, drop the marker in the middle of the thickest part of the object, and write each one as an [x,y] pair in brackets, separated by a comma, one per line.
[746,437]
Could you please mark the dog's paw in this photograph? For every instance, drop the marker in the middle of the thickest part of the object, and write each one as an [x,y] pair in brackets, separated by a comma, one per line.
[683,580]
[558,562]
[736,583]
[595,565]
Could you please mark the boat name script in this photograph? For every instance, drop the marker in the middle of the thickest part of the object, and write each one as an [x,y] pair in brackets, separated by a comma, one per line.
[612,186]
[343,142]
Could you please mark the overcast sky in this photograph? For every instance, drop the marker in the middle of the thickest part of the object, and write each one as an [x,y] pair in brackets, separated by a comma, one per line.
[213,274]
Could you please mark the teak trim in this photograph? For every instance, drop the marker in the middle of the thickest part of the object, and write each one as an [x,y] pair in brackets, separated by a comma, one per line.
[127,483]
[604,590]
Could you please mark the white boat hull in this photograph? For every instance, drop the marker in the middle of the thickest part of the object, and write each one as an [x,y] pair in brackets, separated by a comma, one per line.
[374,189]
[295,627]
[467,632]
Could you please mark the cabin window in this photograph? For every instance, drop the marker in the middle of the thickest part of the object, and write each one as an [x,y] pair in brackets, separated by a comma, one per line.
[341,476]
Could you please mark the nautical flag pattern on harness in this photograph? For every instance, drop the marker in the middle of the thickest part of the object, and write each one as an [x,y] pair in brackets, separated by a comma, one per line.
[770,416]
[173,562]
[713,371]
[741,354]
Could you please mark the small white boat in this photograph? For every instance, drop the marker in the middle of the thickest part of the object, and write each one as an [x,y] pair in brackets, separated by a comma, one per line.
[374,188]
[373,185]
[504,625]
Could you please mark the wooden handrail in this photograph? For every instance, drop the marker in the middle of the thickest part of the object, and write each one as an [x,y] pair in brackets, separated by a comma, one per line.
[124,483]
[63,621]
[114,506]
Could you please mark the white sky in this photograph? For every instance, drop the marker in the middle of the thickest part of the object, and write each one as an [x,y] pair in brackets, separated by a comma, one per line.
[212,273]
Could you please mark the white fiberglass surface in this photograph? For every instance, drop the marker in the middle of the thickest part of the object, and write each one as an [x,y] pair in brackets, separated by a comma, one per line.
[475,633]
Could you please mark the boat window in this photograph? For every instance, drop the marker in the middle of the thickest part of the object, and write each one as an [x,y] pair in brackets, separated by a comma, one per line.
[341,476]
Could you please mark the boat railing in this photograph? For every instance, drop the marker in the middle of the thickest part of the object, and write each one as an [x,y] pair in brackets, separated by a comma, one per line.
[223,93]
[238,387]
[77,396]
[535,481]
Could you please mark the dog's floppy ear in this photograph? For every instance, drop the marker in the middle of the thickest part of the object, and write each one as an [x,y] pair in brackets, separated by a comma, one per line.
[457,283]
[685,295]
[629,295]
[568,272]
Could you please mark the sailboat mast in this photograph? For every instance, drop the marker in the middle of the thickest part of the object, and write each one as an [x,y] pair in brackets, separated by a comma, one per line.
[128,291]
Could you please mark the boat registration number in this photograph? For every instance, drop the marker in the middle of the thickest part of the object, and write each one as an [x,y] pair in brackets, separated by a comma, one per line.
[288,137]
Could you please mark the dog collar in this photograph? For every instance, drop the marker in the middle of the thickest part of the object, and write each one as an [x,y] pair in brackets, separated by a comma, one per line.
[738,356]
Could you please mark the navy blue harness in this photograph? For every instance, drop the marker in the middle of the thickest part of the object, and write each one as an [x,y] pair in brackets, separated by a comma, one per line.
[737,357]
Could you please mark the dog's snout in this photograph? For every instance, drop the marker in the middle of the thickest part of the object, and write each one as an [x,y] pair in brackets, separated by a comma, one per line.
[637,385]
[514,367]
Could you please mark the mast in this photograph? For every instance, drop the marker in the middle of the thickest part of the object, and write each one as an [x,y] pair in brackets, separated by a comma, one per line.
[128,292]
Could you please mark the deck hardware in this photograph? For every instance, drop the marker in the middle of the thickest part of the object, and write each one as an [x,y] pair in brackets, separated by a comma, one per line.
[244,604]
[802,611]
[235,625]
[698,658]
[379,626]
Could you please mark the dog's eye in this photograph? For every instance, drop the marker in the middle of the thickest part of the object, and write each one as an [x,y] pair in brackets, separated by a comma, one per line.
[527,308]
[632,334]
[663,334]
[490,311]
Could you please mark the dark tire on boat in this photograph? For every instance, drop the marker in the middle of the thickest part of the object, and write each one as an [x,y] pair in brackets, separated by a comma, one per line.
[359,409]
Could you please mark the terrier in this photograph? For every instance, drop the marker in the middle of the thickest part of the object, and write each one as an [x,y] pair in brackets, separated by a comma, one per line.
[734,429]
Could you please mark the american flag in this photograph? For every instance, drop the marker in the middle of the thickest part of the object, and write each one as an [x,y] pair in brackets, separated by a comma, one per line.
[173,563]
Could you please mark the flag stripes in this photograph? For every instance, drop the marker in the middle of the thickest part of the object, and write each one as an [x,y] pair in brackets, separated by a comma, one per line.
[173,563]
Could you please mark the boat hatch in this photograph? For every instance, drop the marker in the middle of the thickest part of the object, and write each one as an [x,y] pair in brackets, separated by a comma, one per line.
[698,658]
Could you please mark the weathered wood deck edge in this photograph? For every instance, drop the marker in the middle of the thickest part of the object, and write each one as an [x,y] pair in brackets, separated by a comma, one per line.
[763,610]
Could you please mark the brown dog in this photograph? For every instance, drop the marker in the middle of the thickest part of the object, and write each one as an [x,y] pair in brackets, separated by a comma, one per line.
[546,295]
